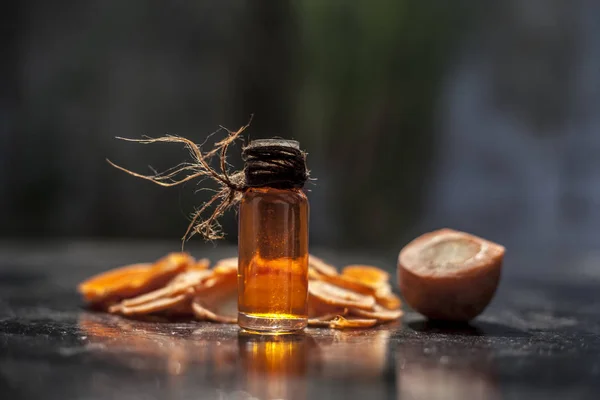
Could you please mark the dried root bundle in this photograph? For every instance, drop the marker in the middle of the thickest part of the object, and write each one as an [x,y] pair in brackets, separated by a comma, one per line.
[276,164]
[230,185]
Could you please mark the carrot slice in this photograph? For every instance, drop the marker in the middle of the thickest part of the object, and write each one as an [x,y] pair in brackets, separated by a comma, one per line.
[366,274]
[179,285]
[329,317]
[340,322]
[324,323]
[212,285]
[321,267]
[344,323]
[226,265]
[349,283]
[154,306]
[102,286]
[199,265]
[202,312]
[133,280]
[379,313]
[222,282]
[386,298]
[337,296]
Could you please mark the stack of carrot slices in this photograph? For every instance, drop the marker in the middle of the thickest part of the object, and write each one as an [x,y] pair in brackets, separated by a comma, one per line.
[360,297]
[178,285]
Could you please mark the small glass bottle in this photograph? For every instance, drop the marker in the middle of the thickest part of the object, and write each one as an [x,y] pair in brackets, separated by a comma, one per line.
[273,239]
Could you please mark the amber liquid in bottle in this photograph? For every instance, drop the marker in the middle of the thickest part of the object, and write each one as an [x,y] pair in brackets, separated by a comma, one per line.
[273,260]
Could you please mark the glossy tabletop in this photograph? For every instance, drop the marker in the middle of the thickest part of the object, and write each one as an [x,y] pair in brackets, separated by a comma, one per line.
[539,339]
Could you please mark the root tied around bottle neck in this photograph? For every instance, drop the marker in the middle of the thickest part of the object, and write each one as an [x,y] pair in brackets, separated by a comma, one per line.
[273,163]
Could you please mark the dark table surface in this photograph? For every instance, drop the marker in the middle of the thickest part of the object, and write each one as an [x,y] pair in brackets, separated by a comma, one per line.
[540,338]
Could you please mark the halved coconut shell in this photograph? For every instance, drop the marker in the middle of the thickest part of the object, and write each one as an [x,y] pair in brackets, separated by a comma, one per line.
[449,275]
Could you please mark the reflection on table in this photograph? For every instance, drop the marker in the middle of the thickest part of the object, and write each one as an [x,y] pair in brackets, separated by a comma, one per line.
[227,362]
[428,372]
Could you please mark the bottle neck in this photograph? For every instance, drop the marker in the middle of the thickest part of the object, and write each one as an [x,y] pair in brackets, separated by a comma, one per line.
[268,189]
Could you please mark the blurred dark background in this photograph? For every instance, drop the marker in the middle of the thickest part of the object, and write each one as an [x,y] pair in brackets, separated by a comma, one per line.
[481,116]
